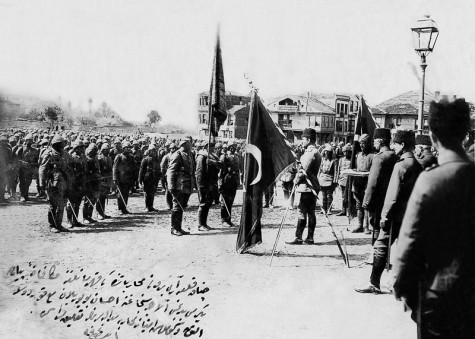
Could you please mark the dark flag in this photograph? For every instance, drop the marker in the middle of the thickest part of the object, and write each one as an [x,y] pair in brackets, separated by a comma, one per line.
[364,124]
[217,95]
[268,153]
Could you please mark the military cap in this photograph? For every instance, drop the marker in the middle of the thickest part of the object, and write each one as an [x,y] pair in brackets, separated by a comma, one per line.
[173,145]
[57,139]
[28,137]
[12,139]
[404,136]
[422,139]
[77,143]
[204,143]
[382,133]
[105,146]
[364,137]
[44,141]
[309,133]
[168,143]
[328,147]
[218,145]
[346,148]
[3,138]
[182,142]
[117,141]
[126,144]
[332,144]
[135,142]
[151,147]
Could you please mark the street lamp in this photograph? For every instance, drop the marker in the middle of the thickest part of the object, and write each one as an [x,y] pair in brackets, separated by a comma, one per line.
[425,33]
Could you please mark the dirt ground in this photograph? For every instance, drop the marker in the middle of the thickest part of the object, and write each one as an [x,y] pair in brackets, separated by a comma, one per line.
[191,286]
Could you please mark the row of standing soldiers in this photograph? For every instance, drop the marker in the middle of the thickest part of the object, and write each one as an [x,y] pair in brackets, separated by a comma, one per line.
[87,171]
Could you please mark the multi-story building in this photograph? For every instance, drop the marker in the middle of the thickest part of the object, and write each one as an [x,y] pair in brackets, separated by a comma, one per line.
[346,107]
[235,126]
[294,113]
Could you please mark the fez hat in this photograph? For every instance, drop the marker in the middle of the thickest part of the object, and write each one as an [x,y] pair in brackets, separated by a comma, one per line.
[382,133]
[422,139]
[309,133]
[404,136]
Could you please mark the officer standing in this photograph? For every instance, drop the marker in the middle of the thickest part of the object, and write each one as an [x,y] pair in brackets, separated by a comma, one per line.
[179,183]
[378,179]
[424,151]
[28,163]
[344,163]
[123,175]
[307,185]
[77,175]
[403,178]
[53,175]
[364,159]
[137,154]
[92,185]
[164,167]
[207,182]
[5,158]
[228,183]
[105,167]
[149,176]
[435,256]
[43,147]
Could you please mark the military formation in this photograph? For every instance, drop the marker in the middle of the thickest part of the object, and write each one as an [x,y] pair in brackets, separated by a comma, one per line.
[85,169]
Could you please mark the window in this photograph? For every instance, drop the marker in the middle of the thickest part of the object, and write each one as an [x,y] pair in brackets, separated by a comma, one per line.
[352,125]
[339,126]
[230,133]
[346,126]
[351,106]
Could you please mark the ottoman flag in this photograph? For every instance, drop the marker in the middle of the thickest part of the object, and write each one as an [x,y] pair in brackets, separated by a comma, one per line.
[268,153]
[217,94]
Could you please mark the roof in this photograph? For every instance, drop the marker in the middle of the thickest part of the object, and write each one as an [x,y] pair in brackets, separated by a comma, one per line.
[233,93]
[406,103]
[314,104]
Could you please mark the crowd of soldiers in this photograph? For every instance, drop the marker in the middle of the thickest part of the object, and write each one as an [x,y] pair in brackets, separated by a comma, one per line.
[73,169]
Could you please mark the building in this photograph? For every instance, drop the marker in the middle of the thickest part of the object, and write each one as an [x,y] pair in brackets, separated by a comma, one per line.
[294,113]
[235,126]
[345,106]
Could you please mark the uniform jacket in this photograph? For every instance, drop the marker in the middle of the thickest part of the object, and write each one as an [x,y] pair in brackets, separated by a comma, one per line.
[164,163]
[93,174]
[427,159]
[207,168]
[149,173]
[307,181]
[179,172]
[327,172]
[228,178]
[105,166]
[404,176]
[363,164]
[436,244]
[76,172]
[378,179]
[123,170]
[53,172]
[343,164]
[28,158]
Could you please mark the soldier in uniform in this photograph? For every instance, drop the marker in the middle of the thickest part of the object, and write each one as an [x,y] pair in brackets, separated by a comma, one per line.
[149,176]
[13,168]
[164,167]
[179,183]
[403,178]
[5,158]
[423,151]
[76,172]
[327,178]
[364,159]
[116,150]
[105,167]
[378,179]
[53,175]
[207,182]
[344,163]
[123,173]
[28,164]
[43,147]
[435,256]
[92,185]
[307,185]
[228,183]
[137,154]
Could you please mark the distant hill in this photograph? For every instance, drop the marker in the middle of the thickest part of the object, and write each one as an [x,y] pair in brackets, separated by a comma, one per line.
[31,108]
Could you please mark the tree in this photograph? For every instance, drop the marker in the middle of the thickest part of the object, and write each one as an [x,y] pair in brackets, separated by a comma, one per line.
[154,117]
[52,113]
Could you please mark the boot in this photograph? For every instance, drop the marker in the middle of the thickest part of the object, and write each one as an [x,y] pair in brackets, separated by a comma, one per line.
[379,263]
[298,233]
[359,228]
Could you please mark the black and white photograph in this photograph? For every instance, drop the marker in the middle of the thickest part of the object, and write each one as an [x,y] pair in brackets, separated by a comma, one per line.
[237,169]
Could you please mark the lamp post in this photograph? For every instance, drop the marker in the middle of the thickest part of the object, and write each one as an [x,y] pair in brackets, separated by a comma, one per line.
[425,33]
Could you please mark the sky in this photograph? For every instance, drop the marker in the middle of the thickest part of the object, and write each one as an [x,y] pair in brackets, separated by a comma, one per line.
[143,55]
